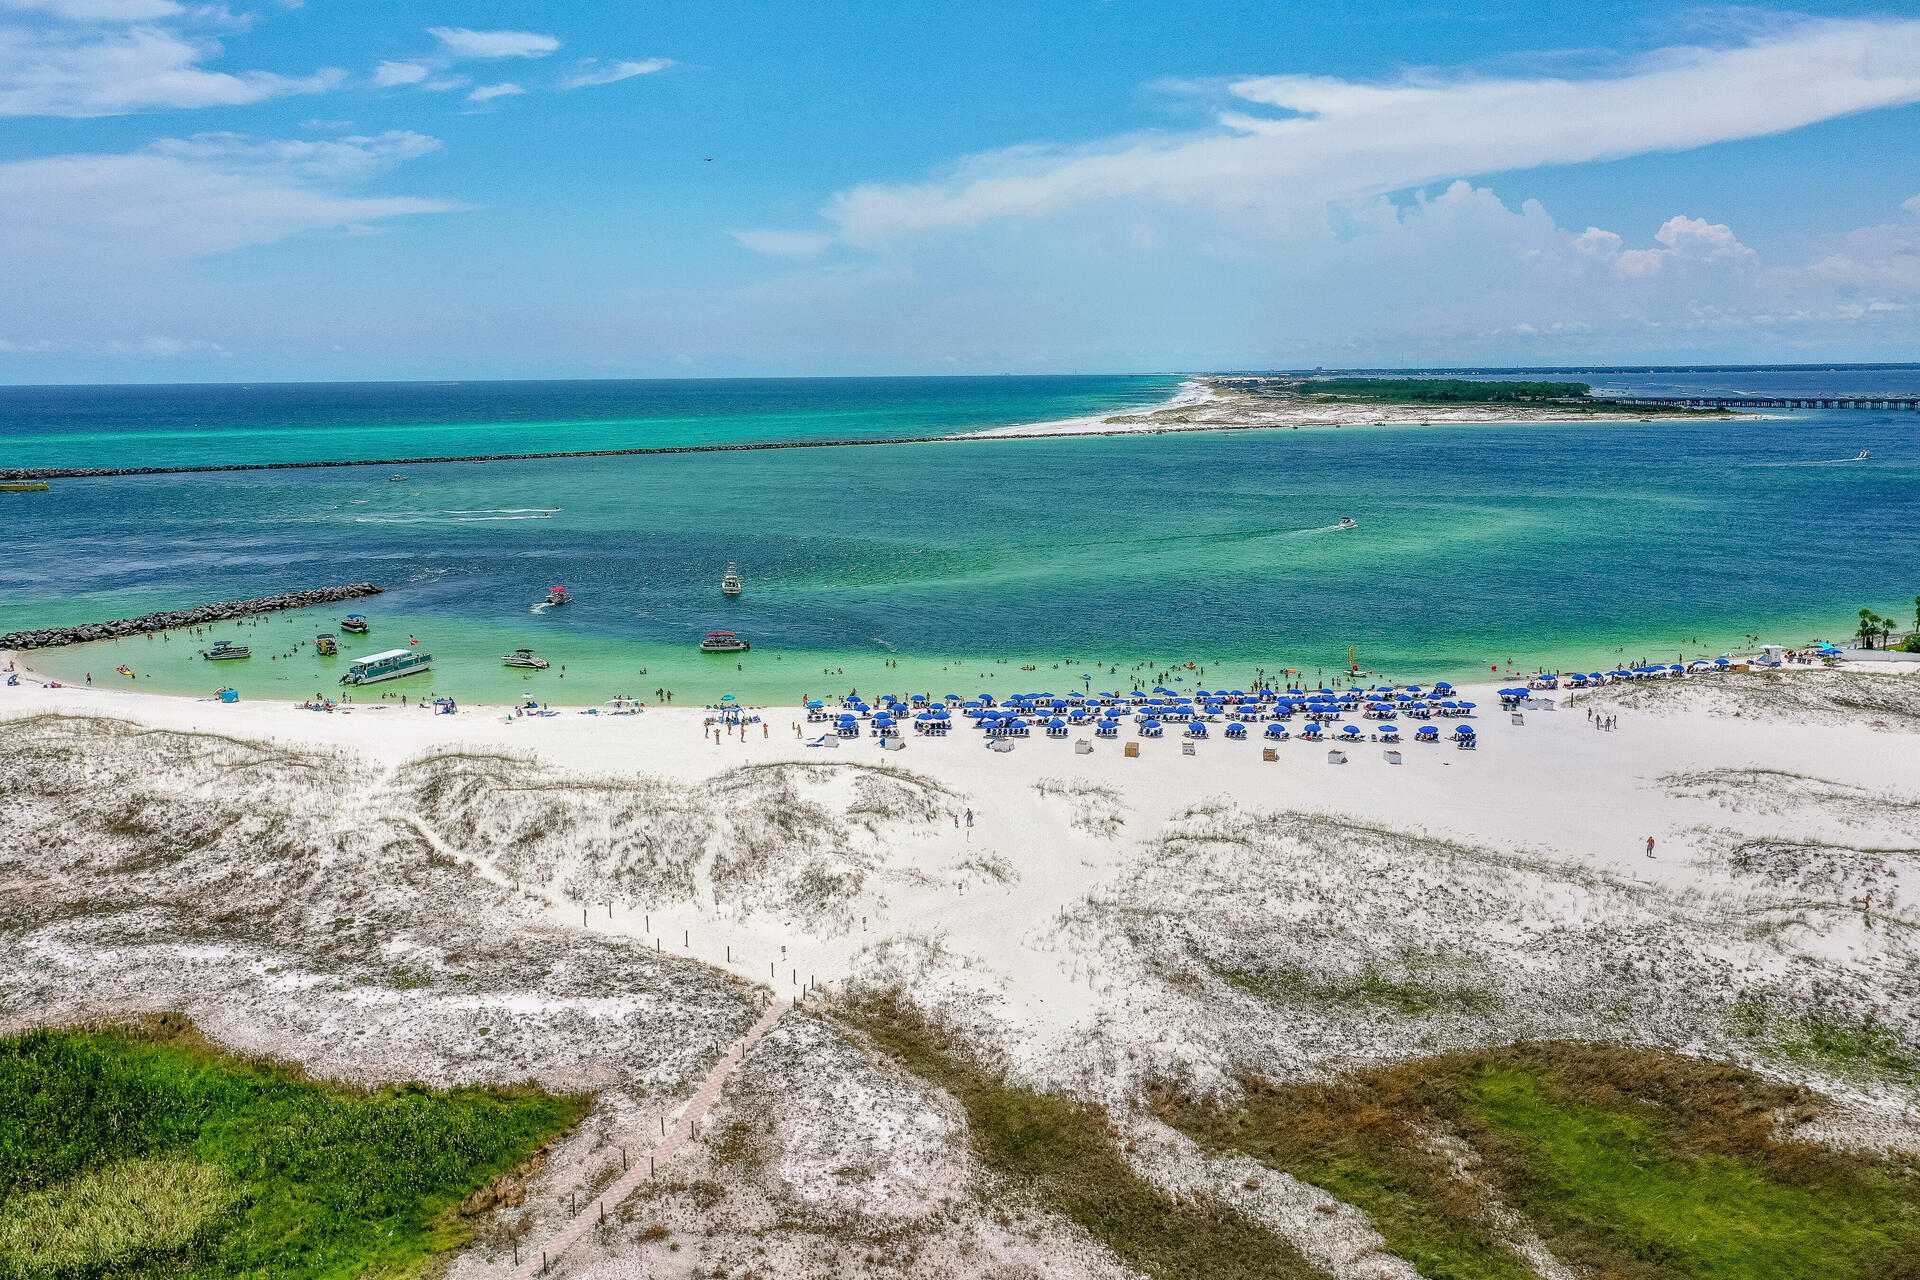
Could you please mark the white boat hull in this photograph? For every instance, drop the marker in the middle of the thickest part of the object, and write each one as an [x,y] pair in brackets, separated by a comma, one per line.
[377,676]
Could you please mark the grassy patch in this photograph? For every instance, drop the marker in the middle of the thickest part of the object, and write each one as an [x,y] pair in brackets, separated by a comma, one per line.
[1063,1152]
[113,1214]
[122,1154]
[1842,1041]
[1628,1164]
[1411,995]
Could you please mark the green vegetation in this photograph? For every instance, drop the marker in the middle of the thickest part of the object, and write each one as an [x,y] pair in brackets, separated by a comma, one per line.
[1063,1153]
[1411,996]
[115,1211]
[1628,1164]
[142,1152]
[1444,390]
[1836,1041]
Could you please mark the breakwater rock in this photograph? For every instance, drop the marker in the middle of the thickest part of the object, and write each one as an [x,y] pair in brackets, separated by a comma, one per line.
[194,617]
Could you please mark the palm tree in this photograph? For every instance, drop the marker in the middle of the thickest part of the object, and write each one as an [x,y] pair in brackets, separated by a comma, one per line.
[1868,626]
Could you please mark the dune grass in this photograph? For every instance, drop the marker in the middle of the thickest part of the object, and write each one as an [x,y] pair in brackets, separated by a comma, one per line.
[1063,1153]
[1627,1164]
[126,1153]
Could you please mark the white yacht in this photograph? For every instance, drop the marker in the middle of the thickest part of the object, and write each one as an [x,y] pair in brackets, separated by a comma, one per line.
[730,584]
[390,665]
[526,658]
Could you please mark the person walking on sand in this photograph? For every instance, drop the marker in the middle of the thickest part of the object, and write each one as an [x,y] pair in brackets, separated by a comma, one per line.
[1649,846]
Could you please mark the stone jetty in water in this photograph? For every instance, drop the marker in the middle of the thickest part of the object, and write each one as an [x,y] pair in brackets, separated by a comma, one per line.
[197,616]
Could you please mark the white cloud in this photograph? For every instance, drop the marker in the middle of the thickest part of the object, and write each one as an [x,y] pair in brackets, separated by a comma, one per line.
[463,42]
[55,73]
[592,71]
[341,160]
[1341,140]
[488,92]
[196,196]
[98,10]
[1912,205]
[389,74]
[445,84]
[784,244]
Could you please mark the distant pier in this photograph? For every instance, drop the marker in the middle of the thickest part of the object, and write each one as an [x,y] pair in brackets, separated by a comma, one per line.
[1776,402]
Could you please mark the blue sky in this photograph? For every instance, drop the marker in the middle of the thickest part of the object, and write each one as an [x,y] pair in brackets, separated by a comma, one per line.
[412,189]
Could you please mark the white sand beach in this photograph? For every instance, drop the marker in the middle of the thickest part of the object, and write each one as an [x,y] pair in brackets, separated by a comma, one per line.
[613,899]
[1217,404]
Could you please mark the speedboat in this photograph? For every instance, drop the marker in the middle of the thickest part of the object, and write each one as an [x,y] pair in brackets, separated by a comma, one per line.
[354,623]
[723,642]
[525,658]
[730,581]
[225,650]
[558,595]
[1347,522]
[395,479]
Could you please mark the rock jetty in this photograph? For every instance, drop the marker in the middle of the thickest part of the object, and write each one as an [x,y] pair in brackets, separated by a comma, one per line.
[194,617]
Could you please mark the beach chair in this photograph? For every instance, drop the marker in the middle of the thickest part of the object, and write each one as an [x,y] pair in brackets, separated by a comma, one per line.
[1196,730]
[1236,731]
[1275,733]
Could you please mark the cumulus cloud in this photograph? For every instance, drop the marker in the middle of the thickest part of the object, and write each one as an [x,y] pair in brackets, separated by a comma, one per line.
[79,74]
[1294,143]
[592,71]
[784,244]
[190,197]
[389,74]
[464,42]
[488,92]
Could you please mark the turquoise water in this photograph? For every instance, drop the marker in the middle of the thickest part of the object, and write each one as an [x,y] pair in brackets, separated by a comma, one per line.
[961,563]
[315,422]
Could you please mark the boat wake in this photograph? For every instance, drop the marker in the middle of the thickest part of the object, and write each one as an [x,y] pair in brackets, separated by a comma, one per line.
[542,607]
[1817,462]
[462,517]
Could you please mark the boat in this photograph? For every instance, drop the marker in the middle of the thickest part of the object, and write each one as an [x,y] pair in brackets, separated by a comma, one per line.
[24,486]
[730,581]
[395,479]
[1864,455]
[1347,522]
[526,658]
[723,642]
[354,623]
[559,595]
[225,650]
[325,645]
[390,665]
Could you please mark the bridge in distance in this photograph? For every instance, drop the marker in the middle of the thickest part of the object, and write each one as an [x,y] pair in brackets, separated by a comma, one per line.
[1776,402]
